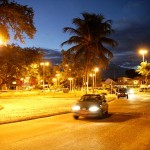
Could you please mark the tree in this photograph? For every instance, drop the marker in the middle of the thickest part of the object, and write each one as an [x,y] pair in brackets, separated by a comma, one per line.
[71,69]
[16,18]
[144,70]
[16,62]
[90,39]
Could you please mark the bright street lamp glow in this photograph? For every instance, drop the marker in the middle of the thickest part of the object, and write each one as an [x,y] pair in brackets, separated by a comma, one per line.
[92,75]
[2,41]
[143,52]
[96,69]
[44,63]
[57,75]
[54,79]
[70,78]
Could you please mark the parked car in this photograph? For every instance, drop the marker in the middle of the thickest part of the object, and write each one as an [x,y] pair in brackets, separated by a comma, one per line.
[122,92]
[90,105]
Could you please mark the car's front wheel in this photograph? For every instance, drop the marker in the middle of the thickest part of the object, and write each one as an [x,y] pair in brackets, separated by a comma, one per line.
[76,117]
[106,113]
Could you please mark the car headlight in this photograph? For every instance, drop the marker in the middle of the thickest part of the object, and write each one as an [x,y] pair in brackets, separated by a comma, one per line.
[76,108]
[93,108]
[131,91]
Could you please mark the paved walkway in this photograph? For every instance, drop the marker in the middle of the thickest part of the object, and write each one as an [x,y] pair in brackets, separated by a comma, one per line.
[21,106]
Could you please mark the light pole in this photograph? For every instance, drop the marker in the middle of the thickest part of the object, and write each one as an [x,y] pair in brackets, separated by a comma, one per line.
[70,79]
[43,64]
[143,52]
[92,75]
[57,75]
[96,70]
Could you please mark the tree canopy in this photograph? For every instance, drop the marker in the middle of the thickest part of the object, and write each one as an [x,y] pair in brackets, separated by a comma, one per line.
[89,43]
[15,62]
[17,19]
[144,69]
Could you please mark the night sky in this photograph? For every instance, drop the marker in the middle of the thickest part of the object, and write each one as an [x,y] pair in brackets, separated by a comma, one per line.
[130,20]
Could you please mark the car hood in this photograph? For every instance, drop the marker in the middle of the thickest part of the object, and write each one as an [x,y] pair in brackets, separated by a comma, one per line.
[88,104]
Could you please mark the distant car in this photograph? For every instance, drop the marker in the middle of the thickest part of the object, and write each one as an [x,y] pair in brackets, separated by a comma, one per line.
[143,89]
[90,105]
[122,92]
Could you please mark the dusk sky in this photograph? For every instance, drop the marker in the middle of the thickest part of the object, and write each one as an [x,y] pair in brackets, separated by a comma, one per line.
[131,22]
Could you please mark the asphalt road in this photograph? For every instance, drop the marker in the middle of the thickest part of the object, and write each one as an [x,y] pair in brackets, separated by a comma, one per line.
[127,127]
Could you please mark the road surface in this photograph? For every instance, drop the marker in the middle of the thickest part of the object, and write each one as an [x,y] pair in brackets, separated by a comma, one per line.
[127,127]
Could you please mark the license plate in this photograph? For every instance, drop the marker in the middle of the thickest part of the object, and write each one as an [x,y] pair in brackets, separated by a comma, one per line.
[84,112]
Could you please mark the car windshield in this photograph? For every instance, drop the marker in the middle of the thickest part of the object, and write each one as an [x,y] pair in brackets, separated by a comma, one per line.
[123,90]
[89,98]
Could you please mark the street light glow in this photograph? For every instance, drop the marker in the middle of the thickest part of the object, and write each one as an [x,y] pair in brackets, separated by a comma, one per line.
[96,69]
[43,64]
[2,41]
[54,79]
[143,52]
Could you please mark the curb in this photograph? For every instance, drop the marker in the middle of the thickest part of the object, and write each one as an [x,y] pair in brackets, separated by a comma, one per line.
[33,117]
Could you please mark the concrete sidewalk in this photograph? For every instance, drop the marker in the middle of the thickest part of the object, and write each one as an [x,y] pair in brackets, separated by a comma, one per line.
[26,106]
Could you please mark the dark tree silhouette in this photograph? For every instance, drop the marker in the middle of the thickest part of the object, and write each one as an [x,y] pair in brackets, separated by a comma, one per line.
[17,19]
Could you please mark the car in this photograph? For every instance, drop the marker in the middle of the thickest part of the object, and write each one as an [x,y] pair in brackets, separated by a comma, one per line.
[144,89]
[90,105]
[122,92]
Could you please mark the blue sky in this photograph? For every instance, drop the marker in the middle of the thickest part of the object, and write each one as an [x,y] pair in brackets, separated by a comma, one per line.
[131,19]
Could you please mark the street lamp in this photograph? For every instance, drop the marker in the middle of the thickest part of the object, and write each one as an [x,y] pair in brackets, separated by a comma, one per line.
[143,52]
[70,79]
[92,75]
[96,70]
[43,64]
[57,75]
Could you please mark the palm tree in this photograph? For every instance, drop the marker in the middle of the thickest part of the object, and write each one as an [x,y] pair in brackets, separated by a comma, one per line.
[89,39]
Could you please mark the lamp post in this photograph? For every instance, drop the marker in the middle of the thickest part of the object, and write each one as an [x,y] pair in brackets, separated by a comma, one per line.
[70,79]
[92,75]
[43,64]
[96,70]
[57,75]
[143,52]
